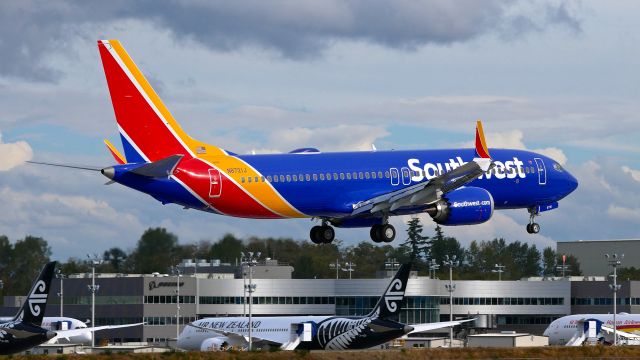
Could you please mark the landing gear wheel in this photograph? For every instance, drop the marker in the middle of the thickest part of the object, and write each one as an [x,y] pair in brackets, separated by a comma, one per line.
[382,233]
[326,234]
[314,234]
[535,228]
[387,233]
[375,230]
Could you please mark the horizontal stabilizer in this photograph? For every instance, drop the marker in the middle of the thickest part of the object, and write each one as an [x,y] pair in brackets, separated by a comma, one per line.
[115,153]
[159,169]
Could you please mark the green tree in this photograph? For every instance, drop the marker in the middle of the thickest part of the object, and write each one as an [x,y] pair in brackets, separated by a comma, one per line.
[628,273]
[28,257]
[114,259]
[443,246]
[548,261]
[228,249]
[155,251]
[416,245]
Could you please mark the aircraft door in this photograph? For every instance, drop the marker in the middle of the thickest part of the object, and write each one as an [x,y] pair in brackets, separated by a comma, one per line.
[395,176]
[215,183]
[406,176]
[542,171]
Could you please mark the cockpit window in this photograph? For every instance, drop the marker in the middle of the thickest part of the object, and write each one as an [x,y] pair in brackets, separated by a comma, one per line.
[557,167]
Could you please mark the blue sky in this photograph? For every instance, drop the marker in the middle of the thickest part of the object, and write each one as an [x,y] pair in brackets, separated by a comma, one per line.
[560,77]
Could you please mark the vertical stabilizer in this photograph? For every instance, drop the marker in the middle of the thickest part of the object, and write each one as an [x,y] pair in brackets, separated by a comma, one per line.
[390,303]
[32,310]
[147,129]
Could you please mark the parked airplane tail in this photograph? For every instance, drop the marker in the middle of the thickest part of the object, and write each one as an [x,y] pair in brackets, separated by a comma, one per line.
[147,129]
[390,302]
[32,310]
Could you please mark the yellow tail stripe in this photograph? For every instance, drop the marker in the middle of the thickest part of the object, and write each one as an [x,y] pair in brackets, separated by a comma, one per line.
[193,145]
[115,151]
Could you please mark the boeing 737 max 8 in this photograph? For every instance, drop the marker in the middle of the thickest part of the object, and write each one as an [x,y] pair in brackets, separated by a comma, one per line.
[341,189]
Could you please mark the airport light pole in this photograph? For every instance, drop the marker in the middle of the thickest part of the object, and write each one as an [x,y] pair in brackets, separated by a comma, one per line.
[392,264]
[615,260]
[499,268]
[177,273]
[93,262]
[61,276]
[451,262]
[433,267]
[335,266]
[349,266]
[244,285]
[251,260]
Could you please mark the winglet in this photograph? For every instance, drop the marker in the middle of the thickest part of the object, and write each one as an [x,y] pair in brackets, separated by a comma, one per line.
[115,153]
[482,151]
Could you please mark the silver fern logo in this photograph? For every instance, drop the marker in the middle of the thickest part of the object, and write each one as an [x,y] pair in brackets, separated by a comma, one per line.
[339,333]
[37,297]
[393,295]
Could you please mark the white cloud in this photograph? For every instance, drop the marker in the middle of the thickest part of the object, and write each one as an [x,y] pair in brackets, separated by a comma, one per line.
[635,174]
[14,154]
[514,139]
[341,137]
[623,213]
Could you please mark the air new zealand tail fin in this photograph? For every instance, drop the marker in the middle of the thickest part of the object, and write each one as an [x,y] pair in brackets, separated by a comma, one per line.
[32,310]
[390,303]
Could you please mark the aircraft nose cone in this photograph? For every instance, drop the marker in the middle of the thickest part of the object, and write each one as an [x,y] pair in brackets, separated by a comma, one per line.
[572,183]
[407,329]
[50,335]
[109,172]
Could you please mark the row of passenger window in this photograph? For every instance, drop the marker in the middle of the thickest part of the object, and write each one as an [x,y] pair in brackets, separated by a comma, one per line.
[502,301]
[366,175]
[318,177]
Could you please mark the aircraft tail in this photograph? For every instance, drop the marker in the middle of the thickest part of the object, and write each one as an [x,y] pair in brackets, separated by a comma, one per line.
[147,129]
[32,310]
[482,151]
[390,303]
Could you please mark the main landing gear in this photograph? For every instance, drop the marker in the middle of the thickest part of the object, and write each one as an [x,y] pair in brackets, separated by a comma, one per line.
[325,234]
[383,233]
[533,227]
[322,234]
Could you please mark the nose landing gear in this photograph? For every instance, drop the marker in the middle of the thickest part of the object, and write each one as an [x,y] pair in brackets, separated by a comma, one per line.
[533,227]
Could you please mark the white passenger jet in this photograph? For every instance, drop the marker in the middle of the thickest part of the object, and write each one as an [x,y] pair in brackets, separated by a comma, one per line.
[575,330]
[311,332]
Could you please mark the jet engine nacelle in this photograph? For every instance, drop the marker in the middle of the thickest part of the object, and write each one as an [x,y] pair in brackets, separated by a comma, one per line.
[214,344]
[464,206]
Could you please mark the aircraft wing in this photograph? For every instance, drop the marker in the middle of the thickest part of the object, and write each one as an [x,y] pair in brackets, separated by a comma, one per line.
[418,328]
[237,336]
[426,192]
[66,334]
[431,191]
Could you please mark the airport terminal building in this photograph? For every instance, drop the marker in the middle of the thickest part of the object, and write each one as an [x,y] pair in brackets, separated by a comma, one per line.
[217,291]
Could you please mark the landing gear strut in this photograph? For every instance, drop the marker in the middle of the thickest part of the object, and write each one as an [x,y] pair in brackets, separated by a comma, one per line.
[533,227]
[383,233]
[322,234]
